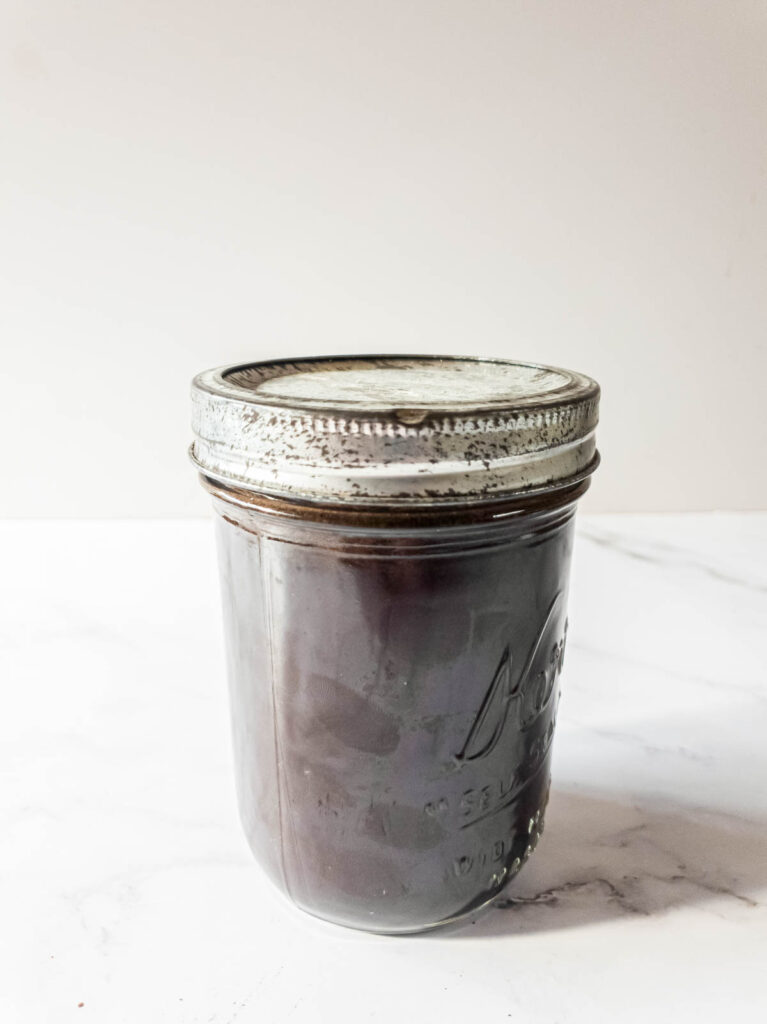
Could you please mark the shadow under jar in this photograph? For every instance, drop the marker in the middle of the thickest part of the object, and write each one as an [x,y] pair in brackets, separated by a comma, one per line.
[394,541]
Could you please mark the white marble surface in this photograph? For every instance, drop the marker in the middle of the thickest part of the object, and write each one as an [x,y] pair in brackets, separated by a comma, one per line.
[125,883]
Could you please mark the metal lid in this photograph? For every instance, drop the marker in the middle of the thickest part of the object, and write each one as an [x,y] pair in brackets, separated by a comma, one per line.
[394,429]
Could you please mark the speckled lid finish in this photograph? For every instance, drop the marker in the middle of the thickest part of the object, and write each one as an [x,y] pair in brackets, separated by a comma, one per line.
[394,430]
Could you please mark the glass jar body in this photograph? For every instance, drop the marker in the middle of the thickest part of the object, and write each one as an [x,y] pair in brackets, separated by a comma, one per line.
[394,683]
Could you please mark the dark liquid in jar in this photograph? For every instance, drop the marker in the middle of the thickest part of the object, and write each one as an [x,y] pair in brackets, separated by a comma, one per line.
[394,685]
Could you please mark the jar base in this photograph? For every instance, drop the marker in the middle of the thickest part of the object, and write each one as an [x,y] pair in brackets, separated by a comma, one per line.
[420,929]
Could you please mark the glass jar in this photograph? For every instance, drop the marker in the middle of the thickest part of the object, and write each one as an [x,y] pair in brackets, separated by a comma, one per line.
[395,591]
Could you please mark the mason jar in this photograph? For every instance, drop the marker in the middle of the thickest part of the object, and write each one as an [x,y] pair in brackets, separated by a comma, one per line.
[394,538]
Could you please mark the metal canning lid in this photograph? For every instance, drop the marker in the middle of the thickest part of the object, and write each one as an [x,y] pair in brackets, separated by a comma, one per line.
[394,430]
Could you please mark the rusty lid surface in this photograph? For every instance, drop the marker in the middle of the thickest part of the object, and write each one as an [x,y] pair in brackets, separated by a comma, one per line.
[394,430]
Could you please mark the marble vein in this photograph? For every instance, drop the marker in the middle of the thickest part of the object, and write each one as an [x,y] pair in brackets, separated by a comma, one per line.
[669,555]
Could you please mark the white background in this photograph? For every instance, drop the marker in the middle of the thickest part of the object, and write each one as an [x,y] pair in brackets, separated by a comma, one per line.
[186,184]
